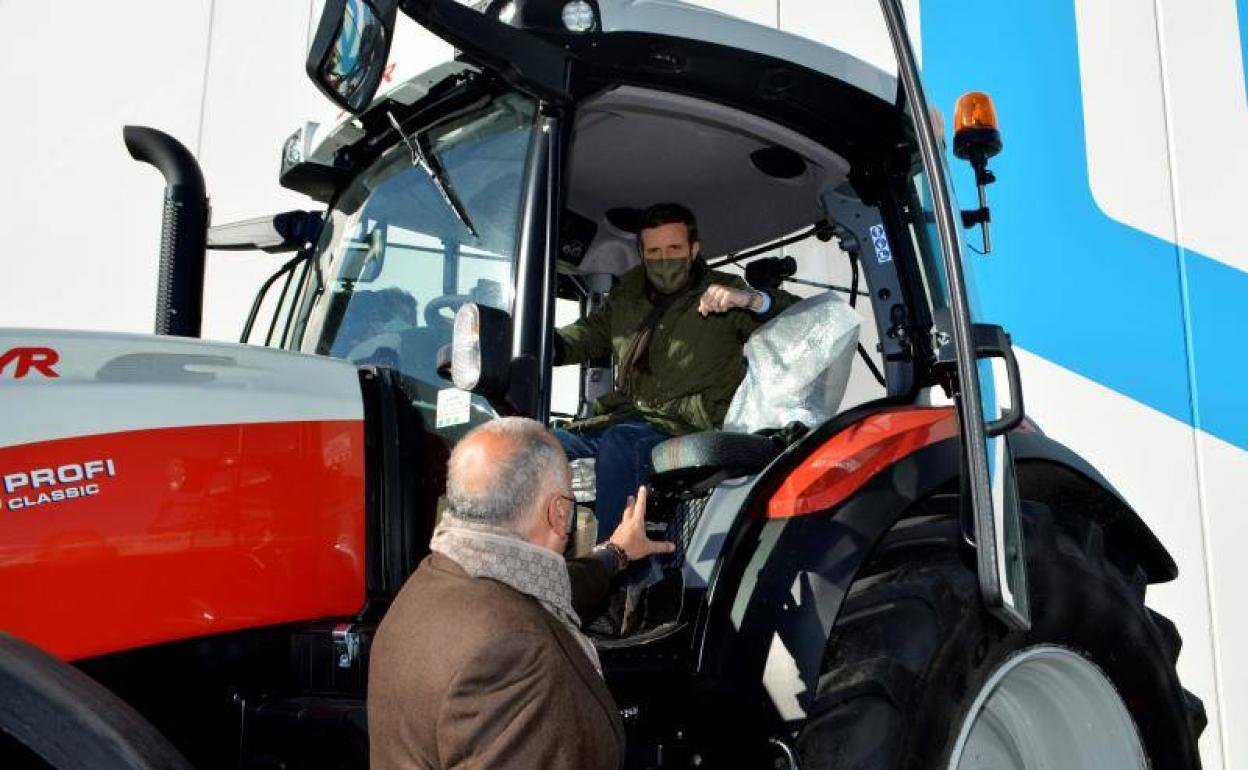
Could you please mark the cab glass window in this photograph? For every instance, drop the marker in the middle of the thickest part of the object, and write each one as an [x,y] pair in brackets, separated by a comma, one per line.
[402,248]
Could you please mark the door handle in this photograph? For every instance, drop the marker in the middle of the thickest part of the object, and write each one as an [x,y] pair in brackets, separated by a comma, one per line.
[992,341]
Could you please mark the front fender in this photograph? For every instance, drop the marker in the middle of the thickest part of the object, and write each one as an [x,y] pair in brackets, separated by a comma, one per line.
[773,605]
[1053,474]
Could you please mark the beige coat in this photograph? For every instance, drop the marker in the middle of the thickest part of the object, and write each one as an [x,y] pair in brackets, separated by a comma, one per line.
[469,673]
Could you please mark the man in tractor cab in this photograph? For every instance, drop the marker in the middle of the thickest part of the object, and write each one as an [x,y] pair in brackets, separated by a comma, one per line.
[676,329]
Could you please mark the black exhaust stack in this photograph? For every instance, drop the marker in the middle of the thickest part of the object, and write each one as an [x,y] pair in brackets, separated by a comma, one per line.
[184,234]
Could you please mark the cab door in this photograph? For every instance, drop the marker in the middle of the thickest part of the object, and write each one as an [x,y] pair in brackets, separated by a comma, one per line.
[967,350]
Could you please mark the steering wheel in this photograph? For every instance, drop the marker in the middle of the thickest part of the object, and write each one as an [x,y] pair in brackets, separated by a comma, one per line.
[381,349]
[434,317]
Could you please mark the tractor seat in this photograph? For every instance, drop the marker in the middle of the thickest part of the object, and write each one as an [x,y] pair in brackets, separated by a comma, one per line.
[699,461]
[785,385]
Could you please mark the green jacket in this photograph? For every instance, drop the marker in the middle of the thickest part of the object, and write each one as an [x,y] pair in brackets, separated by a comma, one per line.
[696,363]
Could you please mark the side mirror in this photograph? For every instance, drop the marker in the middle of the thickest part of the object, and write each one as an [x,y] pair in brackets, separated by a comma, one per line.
[481,350]
[976,138]
[288,231]
[349,52]
[364,259]
[481,362]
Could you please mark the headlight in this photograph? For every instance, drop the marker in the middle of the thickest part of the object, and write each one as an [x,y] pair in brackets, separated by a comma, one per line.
[298,146]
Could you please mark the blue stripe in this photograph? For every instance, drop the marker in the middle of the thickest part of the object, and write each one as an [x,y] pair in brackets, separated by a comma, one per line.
[1241,10]
[1071,284]
[1219,342]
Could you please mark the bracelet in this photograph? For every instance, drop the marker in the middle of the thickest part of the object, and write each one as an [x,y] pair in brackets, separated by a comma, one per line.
[621,558]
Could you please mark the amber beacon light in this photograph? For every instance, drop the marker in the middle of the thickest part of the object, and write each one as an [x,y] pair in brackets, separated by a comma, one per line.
[974,110]
[976,139]
[975,129]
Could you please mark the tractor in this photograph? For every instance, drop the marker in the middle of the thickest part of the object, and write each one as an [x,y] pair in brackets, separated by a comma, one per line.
[895,568]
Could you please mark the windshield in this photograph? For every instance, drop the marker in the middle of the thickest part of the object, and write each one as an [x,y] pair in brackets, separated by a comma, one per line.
[431,225]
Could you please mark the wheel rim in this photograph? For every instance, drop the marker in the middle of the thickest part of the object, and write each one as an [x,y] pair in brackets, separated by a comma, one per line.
[1047,707]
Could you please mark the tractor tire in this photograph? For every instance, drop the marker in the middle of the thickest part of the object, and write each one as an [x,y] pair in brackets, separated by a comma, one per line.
[53,716]
[913,654]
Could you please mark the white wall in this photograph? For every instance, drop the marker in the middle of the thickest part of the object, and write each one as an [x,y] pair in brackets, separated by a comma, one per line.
[79,219]
[1166,127]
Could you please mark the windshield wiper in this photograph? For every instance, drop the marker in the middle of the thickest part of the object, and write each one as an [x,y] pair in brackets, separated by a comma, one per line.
[437,175]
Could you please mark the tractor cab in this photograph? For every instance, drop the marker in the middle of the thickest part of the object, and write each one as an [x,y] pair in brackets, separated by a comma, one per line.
[476,208]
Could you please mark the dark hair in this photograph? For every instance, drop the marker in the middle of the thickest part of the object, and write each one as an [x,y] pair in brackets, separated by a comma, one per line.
[668,214]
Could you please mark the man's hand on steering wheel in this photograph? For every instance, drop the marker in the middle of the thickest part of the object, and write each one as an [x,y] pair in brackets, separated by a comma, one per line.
[631,536]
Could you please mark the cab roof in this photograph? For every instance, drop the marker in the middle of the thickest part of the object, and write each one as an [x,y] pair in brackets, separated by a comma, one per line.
[677,19]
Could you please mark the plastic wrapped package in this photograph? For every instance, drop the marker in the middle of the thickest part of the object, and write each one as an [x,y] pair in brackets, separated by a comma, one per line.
[584,479]
[799,366]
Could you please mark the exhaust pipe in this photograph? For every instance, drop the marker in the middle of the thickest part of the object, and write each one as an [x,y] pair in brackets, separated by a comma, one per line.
[184,232]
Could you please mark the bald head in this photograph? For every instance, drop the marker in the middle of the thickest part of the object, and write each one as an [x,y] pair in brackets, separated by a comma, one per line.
[502,472]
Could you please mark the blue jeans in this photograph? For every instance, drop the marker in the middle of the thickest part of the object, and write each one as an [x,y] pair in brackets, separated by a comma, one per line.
[623,463]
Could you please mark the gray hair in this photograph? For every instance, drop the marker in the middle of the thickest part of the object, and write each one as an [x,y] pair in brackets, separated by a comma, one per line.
[528,461]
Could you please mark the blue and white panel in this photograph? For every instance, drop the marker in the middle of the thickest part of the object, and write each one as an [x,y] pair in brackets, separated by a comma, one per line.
[1119,264]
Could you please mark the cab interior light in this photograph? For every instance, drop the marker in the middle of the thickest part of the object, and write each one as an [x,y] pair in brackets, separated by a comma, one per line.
[578,16]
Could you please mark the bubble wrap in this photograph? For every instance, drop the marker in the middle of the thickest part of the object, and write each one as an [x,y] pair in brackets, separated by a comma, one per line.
[799,366]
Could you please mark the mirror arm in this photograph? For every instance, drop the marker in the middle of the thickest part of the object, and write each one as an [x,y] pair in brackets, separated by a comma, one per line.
[515,397]
[521,386]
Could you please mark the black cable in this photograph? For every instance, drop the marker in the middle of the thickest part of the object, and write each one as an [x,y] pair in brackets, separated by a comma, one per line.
[866,358]
[733,259]
[277,309]
[580,287]
[853,281]
[853,285]
[828,286]
[853,300]
[264,290]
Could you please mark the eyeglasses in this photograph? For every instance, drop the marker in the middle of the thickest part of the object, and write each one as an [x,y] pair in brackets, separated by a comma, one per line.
[572,516]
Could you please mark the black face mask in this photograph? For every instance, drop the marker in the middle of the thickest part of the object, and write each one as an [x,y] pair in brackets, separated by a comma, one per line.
[668,276]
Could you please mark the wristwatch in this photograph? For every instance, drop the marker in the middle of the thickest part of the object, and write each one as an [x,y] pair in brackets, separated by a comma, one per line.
[620,557]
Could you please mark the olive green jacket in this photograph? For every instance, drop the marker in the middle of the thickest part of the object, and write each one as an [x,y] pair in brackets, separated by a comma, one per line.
[696,363]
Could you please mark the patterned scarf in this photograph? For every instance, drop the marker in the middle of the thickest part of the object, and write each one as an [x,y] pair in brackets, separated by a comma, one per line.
[485,551]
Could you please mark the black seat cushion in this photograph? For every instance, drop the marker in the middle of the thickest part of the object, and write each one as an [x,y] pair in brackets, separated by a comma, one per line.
[700,460]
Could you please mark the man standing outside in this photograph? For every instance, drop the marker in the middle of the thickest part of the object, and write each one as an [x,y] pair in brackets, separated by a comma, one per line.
[676,330]
[480,661]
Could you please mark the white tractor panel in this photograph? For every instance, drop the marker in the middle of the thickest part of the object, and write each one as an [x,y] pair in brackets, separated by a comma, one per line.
[96,383]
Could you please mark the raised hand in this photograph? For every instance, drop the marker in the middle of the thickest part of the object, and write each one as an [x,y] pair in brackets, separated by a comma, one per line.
[720,299]
[631,534]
